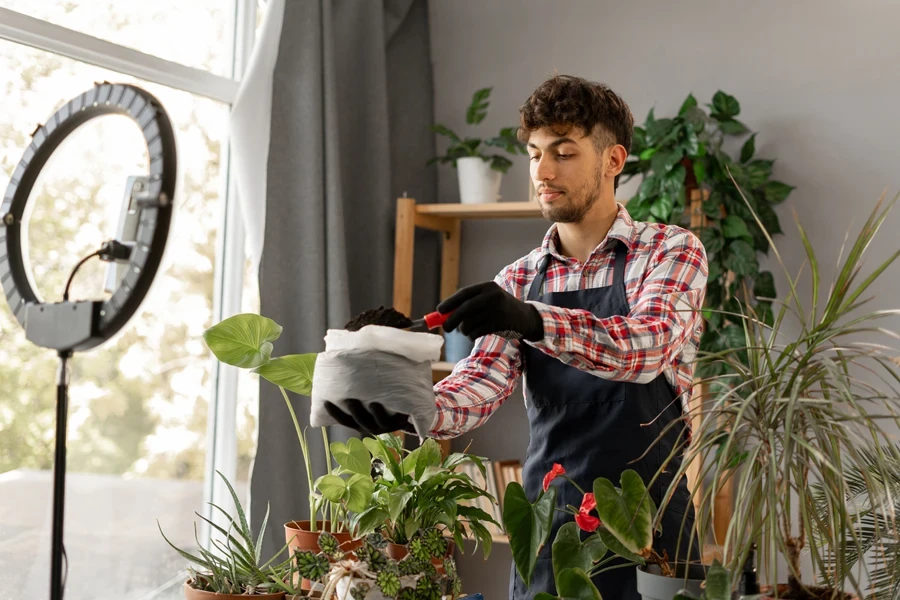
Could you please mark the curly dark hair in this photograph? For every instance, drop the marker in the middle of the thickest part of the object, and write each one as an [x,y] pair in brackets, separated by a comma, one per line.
[565,101]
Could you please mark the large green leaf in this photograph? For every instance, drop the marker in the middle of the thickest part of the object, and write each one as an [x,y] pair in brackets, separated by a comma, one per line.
[733,127]
[724,105]
[568,552]
[332,487]
[748,148]
[627,512]
[734,227]
[662,207]
[360,488]
[712,240]
[764,285]
[758,172]
[527,525]
[777,191]
[617,548]
[663,161]
[429,456]
[689,103]
[243,340]
[293,372]
[353,456]
[741,258]
[397,500]
[575,583]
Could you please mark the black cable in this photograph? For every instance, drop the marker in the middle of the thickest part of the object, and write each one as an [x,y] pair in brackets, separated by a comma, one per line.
[75,270]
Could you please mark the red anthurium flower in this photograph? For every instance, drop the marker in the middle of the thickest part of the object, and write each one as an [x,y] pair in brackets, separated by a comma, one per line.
[584,519]
[555,472]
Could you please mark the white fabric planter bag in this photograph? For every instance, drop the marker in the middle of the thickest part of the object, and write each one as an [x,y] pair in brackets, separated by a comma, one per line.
[377,364]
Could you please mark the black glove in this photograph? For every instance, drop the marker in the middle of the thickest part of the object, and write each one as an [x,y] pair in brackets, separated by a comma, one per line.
[371,420]
[487,308]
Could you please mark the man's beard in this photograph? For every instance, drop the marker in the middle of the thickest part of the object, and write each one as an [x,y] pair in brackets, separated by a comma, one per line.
[577,203]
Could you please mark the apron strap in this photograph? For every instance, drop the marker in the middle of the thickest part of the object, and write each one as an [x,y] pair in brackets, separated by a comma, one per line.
[619,271]
[534,292]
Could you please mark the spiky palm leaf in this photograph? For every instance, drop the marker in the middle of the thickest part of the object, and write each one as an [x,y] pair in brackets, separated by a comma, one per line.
[799,404]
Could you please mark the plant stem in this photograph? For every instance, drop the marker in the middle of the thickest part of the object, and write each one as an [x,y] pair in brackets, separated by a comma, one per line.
[305,450]
[333,513]
[577,487]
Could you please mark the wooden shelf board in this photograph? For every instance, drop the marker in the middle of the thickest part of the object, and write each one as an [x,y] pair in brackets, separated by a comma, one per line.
[494,210]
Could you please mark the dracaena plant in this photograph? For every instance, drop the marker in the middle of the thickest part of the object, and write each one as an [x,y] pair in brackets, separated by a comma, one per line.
[462,147]
[417,490]
[802,401]
[620,522]
[687,151]
[234,565]
[412,578]
[246,341]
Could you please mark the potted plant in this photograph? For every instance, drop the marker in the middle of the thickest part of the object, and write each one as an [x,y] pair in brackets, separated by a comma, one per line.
[479,173]
[234,567]
[806,402]
[418,490]
[246,341]
[676,156]
[623,527]
[374,575]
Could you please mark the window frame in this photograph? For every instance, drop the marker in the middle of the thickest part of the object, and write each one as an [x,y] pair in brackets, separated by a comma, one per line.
[221,450]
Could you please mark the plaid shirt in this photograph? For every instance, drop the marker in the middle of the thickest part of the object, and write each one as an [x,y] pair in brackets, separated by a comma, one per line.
[665,282]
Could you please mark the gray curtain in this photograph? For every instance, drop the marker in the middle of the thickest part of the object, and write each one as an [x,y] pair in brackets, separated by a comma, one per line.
[352,103]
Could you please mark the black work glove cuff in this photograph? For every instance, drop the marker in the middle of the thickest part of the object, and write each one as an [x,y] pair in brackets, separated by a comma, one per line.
[536,332]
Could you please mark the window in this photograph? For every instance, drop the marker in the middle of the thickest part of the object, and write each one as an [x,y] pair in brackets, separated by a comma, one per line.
[138,447]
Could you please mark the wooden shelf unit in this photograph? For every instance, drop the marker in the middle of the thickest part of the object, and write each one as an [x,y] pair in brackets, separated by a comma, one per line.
[447,219]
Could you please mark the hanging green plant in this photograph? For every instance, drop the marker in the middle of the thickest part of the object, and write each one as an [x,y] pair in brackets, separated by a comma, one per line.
[677,155]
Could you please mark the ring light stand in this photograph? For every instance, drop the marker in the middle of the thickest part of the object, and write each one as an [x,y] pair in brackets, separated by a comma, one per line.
[73,326]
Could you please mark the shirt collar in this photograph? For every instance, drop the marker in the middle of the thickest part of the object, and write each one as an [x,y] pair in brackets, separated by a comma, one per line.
[622,229]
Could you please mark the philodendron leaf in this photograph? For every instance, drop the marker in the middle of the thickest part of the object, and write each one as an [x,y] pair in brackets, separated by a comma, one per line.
[429,456]
[567,551]
[243,340]
[361,489]
[527,525]
[611,542]
[734,227]
[397,501]
[353,456]
[332,487]
[627,512]
[293,372]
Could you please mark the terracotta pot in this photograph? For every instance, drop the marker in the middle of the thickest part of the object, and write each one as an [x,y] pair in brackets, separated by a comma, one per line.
[299,537]
[399,552]
[192,594]
[783,589]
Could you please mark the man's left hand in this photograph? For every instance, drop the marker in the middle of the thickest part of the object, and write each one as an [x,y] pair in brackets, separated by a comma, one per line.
[486,308]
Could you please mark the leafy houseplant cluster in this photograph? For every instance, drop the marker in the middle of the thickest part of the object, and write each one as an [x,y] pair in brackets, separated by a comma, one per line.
[798,425]
[687,152]
[374,574]
[469,147]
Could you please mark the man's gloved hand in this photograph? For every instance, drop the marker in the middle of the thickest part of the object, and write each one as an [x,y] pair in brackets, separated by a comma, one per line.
[486,308]
[371,420]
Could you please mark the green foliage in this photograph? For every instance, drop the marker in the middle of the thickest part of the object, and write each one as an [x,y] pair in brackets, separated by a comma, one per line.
[626,529]
[312,566]
[687,151]
[235,565]
[794,419]
[474,147]
[418,491]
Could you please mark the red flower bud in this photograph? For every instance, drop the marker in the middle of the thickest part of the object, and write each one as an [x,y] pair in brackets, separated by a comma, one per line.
[556,471]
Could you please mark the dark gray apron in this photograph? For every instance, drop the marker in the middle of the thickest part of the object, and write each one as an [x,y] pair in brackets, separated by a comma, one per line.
[596,427]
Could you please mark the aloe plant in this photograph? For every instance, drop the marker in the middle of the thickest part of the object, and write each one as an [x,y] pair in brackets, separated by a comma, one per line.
[801,401]
[235,564]
[245,341]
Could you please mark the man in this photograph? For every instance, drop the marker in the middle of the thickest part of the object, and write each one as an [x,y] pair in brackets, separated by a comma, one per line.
[603,320]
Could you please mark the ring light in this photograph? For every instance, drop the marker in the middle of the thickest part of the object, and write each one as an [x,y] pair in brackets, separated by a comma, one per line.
[68,326]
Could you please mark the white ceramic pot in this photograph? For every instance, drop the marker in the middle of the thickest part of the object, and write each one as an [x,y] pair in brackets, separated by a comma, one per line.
[478,182]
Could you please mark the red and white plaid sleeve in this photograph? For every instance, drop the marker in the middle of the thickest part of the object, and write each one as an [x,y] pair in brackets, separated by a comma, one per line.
[481,383]
[639,346]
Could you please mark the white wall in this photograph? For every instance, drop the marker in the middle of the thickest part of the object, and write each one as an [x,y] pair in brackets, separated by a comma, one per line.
[818,79]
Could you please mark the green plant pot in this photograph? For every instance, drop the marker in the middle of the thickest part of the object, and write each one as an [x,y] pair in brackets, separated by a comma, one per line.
[652,585]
